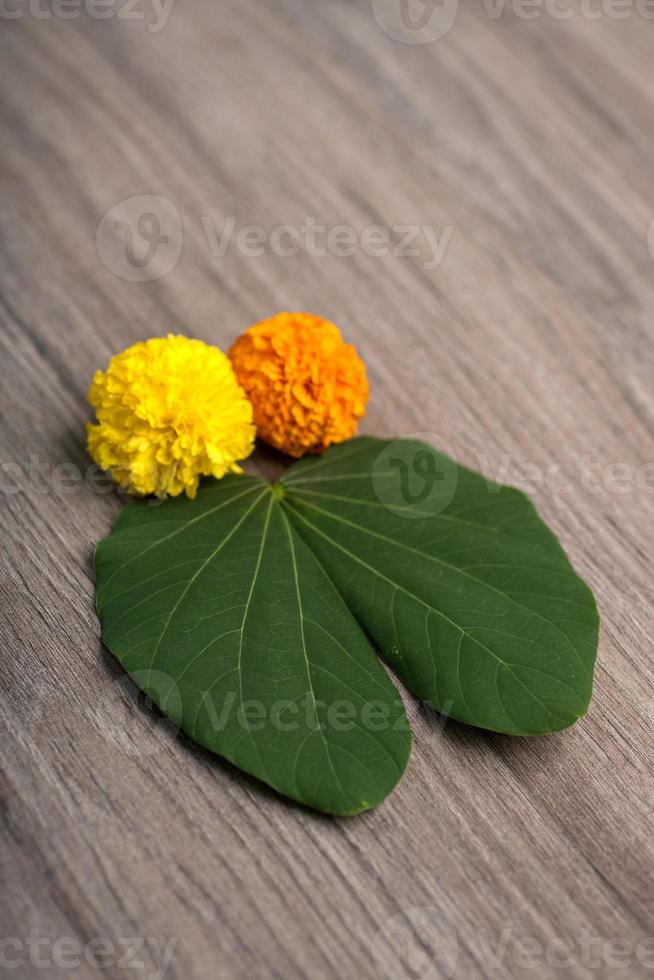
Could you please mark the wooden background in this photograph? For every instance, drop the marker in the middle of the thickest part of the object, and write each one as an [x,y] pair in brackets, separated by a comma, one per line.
[531,344]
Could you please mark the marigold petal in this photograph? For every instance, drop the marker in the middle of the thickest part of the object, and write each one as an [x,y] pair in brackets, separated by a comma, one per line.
[307,387]
[169,411]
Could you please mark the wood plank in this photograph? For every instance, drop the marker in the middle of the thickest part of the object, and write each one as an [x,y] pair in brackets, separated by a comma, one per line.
[529,345]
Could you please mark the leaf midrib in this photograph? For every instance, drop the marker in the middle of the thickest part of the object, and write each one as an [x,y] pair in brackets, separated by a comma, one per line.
[441,516]
[202,567]
[453,568]
[304,651]
[438,612]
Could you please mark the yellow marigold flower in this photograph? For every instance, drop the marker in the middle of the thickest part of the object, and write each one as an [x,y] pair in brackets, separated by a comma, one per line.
[170,410]
[307,387]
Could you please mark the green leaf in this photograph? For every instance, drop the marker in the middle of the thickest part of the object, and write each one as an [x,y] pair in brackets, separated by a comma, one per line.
[225,618]
[249,615]
[455,579]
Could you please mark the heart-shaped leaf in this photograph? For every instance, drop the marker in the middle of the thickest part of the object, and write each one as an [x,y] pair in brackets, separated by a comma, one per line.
[248,615]
[456,580]
[229,623]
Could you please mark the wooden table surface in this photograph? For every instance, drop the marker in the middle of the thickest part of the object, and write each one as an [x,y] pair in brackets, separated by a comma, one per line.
[517,332]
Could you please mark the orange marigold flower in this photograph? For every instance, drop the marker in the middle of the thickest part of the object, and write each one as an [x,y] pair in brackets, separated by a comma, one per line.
[307,387]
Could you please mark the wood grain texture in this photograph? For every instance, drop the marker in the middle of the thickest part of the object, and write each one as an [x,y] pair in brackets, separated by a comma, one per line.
[531,343]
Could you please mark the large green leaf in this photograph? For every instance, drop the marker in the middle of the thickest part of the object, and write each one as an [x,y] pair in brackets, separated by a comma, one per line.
[225,618]
[248,615]
[455,579]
